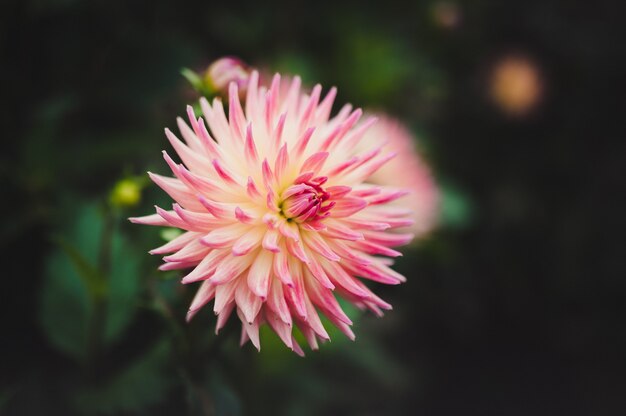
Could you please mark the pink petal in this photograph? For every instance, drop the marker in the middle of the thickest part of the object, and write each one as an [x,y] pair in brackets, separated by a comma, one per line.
[277,303]
[206,267]
[315,242]
[259,274]
[192,252]
[153,219]
[176,244]
[281,268]
[202,297]
[270,241]
[314,162]
[282,329]
[224,296]
[223,316]
[230,268]
[248,303]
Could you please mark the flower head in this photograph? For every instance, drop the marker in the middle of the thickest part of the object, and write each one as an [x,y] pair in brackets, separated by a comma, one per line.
[407,170]
[277,217]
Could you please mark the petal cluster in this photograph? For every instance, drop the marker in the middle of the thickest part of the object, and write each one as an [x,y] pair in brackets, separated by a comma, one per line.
[277,215]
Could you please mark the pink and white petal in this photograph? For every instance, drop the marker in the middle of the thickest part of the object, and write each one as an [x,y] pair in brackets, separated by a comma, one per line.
[281,268]
[223,316]
[259,274]
[324,299]
[224,297]
[248,303]
[250,329]
[231,267]
[340,277]
[206,267]
[317,244]
[346,207]
[282,329]
[248,242]
[277,303]
[176,243]
[177,190]
[152,219]
[224,236]
[192,252]
[202,297]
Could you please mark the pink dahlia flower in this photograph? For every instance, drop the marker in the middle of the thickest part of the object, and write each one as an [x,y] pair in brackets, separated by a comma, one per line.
[407,170]
[278,220]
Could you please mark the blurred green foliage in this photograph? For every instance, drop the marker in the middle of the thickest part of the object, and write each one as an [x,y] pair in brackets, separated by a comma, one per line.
[137,387]
[92,268]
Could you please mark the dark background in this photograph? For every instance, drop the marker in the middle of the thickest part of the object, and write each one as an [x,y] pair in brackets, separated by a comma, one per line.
[515,306]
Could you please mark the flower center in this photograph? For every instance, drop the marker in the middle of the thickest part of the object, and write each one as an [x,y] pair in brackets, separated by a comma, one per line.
[305,201]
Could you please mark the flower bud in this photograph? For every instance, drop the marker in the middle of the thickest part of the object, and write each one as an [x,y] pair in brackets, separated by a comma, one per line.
[126,193]
[303,201]
[224,71]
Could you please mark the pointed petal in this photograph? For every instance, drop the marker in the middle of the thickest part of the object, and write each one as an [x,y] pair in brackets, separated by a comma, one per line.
[259,274]
[277,303]
[202,297]
[248,303]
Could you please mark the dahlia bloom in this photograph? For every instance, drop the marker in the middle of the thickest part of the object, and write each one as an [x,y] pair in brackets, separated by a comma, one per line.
[408,170]
[277,217]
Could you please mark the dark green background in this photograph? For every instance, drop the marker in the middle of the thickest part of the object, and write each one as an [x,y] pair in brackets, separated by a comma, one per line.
[516,306]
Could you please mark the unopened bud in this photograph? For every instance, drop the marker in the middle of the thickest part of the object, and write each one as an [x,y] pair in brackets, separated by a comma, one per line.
[126,193]
[224,71]
[304,201]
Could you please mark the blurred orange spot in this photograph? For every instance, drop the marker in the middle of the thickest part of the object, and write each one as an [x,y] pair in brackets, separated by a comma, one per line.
[515,85]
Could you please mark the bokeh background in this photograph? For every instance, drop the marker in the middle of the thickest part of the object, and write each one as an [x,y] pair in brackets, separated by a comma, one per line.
[514,306]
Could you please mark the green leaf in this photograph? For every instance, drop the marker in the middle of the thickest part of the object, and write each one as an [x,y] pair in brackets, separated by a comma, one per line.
[73,284]
[123,288]
[196,81]
[66,307]
[91,277]
[226,401]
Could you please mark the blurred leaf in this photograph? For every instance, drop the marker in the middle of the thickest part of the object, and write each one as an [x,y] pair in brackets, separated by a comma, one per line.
[386,59]
[123,288]
[73,283]
[226,401]
[195,80]
[211,393]
[91,277]
[65,309]
[143,383]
